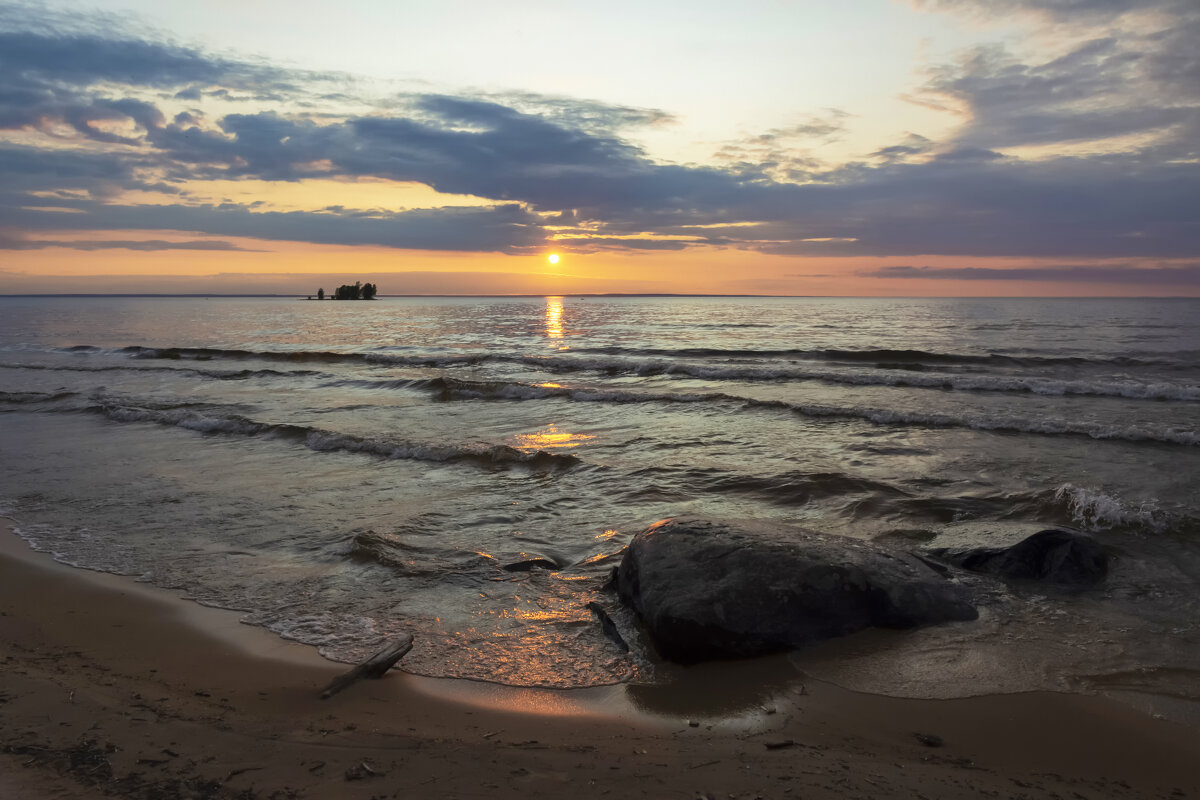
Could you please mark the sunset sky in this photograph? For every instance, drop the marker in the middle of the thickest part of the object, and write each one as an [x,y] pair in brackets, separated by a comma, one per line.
[869,147]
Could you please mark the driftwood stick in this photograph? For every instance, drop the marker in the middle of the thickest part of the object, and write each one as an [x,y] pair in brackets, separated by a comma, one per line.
[373,667]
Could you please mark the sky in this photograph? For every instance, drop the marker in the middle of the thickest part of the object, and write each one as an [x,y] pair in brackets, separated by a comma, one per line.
[785,147]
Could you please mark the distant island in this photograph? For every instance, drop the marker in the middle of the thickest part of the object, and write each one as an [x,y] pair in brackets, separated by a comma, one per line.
[359,291]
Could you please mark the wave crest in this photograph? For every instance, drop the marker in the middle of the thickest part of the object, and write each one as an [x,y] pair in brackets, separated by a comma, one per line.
[1094,510]
[318,440]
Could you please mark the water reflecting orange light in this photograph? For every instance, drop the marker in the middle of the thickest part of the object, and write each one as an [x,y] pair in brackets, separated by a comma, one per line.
[549,438]
[554,318]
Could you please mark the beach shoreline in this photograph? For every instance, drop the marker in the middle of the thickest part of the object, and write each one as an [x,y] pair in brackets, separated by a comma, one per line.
[114,687]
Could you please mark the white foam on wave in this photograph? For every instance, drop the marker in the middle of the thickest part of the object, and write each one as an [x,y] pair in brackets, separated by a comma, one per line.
[1094,510]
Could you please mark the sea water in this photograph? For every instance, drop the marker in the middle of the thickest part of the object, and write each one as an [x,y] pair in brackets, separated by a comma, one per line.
[343,471]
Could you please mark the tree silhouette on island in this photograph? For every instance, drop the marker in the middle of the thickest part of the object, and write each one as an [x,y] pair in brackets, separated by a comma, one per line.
[359,291]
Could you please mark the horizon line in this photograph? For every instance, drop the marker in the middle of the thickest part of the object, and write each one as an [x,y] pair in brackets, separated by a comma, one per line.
[307,298]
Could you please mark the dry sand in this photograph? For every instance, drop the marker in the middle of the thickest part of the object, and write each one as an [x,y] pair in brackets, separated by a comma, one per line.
[112,688]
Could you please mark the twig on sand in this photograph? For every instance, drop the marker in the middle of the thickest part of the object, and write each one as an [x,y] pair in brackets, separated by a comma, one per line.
[373,667]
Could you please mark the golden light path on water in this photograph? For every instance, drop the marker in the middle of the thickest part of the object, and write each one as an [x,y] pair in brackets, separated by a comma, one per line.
[549,438]
[554,319]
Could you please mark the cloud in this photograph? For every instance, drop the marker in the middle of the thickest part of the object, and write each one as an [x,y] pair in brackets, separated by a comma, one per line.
[99,113]
[1124,80]
[507,228]
[86,59]
[595,243]
[784,153]
[1090,10]
[585,115]
[913,145]
[1181,275]
[61,70]
[145,245]
[88,48]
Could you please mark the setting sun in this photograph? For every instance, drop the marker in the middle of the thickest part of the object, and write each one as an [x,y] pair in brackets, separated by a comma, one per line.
[552,258]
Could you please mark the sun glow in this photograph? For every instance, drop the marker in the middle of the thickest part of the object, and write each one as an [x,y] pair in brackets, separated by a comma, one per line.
[552,258]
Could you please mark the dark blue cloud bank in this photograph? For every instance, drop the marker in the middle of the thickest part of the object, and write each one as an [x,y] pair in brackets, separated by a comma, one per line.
[1116,118]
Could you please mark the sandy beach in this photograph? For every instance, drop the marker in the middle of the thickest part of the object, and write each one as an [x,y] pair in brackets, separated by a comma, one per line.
[111,687]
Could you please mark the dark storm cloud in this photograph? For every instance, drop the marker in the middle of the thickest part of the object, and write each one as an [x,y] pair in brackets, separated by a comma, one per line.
[573,162]
[1185,275]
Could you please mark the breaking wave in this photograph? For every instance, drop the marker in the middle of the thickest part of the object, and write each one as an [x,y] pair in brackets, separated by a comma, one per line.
[1094,510]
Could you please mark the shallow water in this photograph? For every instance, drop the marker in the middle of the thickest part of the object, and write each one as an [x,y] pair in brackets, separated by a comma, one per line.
[342,471]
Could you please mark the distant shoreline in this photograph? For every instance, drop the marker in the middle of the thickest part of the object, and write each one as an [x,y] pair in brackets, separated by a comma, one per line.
[618,295]
[306,297]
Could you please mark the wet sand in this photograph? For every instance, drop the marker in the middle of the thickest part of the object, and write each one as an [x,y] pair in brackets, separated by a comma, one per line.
[110,687]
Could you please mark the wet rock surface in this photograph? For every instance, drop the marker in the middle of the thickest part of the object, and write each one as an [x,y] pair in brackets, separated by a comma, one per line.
[707,590]
[1064,558]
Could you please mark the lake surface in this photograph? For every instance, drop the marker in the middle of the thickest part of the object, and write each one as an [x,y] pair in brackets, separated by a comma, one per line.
[342,471]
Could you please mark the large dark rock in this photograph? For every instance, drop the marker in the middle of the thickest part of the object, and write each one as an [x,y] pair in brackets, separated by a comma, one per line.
[1066,558]
[708,590]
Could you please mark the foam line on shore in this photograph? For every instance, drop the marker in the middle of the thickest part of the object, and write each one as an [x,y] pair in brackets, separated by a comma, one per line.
[225,629]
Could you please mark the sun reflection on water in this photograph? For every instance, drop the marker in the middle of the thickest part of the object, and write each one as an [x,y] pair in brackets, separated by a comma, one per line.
[554,319]
[529,640]
[549,438]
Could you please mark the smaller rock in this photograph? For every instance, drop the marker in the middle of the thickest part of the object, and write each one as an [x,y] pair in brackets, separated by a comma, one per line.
[1066,558]
[530,564]
[929,739]
[779,744]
